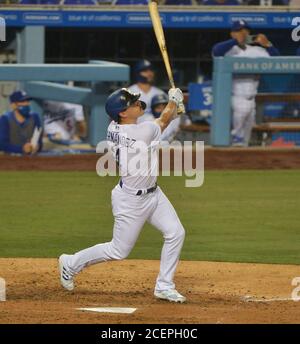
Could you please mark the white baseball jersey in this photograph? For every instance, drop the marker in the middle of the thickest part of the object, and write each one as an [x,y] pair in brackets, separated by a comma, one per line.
[129,141]
[146,117]
[146,97]
[132,210]
[246,85]
[60,118]
[171,130]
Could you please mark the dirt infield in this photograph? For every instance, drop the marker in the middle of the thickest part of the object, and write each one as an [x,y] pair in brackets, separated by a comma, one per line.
[215,159]
[215,293]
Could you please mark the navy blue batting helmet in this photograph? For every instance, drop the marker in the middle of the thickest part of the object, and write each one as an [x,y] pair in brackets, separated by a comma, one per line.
[157,100]
[141,66]
[119,101]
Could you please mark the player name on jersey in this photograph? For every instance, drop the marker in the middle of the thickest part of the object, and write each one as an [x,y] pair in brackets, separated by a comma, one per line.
[120,138]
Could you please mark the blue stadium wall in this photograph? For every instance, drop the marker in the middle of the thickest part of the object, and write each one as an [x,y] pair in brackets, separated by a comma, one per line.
[77,35]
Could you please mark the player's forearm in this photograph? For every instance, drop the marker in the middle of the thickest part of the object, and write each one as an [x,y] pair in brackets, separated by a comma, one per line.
[220,49]
[167,115]
[273,51]
[175,99]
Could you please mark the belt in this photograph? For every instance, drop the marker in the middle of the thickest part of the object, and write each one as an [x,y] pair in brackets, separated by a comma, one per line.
[141,192]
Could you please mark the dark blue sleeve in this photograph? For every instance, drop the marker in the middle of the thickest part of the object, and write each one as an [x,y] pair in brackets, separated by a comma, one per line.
[38,124]
[298,52]
[4,138]
[220,49]
[273,51]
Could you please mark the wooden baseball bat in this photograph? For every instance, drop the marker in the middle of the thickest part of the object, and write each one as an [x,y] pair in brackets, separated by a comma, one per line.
[159,33]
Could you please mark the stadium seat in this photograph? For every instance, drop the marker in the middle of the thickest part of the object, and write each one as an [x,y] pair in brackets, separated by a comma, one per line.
[178,2]
[79,2]
[39,2]
[131,2]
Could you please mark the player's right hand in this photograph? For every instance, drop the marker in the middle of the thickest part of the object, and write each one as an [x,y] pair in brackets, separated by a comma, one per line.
[175,95]
[263,40]
[27,148]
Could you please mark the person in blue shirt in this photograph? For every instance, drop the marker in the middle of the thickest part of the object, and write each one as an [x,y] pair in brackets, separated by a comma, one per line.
[241,39]
[17,126]
[244,87]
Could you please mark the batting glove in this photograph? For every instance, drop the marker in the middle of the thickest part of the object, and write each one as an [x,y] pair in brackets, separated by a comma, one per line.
[181,108]
[175,95]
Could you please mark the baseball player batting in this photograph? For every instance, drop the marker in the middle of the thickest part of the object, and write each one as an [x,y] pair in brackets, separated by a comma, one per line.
[137,198]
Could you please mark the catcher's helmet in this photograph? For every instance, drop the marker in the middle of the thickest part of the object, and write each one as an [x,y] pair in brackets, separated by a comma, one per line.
[140,67]
[157,100]
[119,101]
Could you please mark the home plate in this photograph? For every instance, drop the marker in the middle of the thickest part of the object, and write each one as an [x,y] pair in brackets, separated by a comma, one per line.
[118,310]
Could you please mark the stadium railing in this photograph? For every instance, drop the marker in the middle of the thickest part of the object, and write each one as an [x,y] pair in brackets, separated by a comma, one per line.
[279,84]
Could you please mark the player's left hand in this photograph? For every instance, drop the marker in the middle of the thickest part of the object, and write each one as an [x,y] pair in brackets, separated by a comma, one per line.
[263,40]
[175,95]
[181,108]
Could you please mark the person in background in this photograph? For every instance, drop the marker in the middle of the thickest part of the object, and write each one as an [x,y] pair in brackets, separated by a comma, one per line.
[144,76]
[158,105]
[298,52]
[18,125]
[64,122]
[244,88]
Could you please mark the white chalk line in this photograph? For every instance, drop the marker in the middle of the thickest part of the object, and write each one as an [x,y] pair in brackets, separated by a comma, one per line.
[248,298]
[118,310]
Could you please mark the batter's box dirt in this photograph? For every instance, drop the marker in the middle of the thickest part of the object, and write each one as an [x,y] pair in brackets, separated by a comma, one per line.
[215,291]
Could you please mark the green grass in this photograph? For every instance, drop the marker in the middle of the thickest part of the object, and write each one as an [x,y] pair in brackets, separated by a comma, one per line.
[244,216]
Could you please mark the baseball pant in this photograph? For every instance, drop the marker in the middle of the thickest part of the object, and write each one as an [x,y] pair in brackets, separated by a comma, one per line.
[130,213]
[243,118]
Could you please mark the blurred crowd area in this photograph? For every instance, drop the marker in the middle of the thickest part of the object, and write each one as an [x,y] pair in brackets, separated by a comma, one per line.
[274,99]
[161,2]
